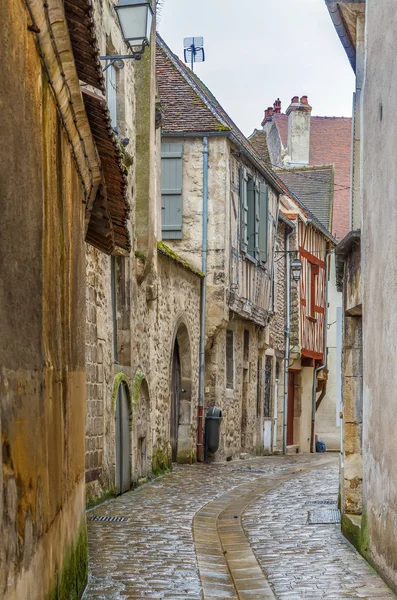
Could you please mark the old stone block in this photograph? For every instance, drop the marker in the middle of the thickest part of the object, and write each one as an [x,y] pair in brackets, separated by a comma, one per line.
[352,362]
[353,399]
[353,438]
[353,468]
[353,332]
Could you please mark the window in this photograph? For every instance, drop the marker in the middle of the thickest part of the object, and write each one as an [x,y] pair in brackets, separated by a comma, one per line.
[267,388]
[254,217]
[312,272]
[111,93]
[258,387]
[171,191]
[229,359]
[246,344]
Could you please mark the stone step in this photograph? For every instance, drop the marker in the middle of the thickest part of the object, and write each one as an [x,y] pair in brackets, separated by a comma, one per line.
[293,450]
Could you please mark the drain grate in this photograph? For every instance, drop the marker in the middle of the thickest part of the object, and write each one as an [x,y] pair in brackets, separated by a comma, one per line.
[323,516]
[321,502]
[109,519]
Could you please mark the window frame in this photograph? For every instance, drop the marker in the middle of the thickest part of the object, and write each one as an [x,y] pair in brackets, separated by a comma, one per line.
[230,361]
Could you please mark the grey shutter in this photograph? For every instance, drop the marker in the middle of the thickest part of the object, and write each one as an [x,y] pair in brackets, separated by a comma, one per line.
[251,217]
[243,210]
[257,219]
[171,191]
[263,221]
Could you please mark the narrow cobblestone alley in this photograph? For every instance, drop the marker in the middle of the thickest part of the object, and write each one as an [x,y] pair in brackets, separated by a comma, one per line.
[153,553]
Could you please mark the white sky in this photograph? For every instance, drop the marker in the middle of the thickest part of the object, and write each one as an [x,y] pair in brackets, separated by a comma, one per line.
[259,50]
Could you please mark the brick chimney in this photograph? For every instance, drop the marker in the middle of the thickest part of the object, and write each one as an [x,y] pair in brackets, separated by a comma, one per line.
[299,113]
[277,106]
[268,116]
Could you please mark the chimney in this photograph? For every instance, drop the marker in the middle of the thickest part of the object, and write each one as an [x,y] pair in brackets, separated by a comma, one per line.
[268,116]
[277,106]
[299,113]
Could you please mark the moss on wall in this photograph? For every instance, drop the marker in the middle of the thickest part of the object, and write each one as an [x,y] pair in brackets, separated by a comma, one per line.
[166,251]
[72,577]
[161,460]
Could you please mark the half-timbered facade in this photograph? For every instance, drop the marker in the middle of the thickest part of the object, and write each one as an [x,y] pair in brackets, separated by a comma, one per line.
[204,151]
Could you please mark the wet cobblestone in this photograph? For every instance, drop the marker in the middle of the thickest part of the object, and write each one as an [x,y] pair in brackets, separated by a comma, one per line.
[152,555]
[303,561]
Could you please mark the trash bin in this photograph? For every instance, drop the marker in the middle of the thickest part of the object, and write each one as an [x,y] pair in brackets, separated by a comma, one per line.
[212,429]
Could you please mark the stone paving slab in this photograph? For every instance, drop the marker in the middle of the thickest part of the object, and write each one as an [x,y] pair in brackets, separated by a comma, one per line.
[308,562]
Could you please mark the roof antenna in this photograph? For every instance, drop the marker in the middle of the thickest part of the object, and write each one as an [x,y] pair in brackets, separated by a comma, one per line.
[194,50]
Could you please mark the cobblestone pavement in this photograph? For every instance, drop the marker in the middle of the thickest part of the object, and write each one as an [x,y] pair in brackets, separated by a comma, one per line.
[152,554]
[308,561]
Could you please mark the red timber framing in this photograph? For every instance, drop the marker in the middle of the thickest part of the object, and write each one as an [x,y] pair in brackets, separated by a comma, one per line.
[312,252]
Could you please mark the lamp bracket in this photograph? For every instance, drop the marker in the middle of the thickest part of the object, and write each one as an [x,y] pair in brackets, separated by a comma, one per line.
[135,54]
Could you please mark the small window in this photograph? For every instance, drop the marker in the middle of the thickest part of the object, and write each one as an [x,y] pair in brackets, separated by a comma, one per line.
[308,288]
[258,388]
[267,388]
[230,360]
[246,344]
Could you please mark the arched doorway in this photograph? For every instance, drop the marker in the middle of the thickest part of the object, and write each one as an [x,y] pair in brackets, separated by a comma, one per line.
[123,442]
[176,387]
[182,439]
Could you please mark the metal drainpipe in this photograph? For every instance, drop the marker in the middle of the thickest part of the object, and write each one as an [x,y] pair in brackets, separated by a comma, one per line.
[320,367]
[287,338]
[200,433]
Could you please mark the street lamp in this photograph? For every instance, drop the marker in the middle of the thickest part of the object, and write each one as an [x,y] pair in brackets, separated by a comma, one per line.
[296,269]
[135,18]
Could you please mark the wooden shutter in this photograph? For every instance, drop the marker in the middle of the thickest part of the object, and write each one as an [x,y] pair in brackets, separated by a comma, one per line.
[243,210]
[257,219]
[251,217]
[171,191]
[263,221]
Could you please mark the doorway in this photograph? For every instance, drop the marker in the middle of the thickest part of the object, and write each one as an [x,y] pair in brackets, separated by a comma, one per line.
[176,386]
[291,409]
[123,442]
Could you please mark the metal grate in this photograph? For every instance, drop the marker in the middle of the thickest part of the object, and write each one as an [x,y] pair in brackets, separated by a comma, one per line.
[108,519]
[323,516]
[321,503]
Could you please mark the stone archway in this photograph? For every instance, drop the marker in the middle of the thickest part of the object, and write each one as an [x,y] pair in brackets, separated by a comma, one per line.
[181,396]
[122,439]
[140,430]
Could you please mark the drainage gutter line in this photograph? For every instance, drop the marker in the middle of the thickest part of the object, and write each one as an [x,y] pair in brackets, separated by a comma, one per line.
[200,435]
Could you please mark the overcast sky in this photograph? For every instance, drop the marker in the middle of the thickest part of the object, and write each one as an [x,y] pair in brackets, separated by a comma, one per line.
[258,50]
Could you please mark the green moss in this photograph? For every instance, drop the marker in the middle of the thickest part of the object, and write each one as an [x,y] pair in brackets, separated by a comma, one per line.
[126,158]
[185,457]
[72,577]
[140,255]
[120,377]
[355,529]
[91,500]
[161,460]
[166,251]
[221,127]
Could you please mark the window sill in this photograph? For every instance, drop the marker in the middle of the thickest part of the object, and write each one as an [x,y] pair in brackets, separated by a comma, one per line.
[311,319]
[251,259]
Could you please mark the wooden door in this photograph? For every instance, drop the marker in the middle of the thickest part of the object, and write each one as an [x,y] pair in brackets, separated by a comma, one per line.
[123,444]
[291,409]
[175,401]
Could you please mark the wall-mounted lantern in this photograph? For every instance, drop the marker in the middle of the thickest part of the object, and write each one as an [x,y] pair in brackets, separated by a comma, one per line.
[296,269]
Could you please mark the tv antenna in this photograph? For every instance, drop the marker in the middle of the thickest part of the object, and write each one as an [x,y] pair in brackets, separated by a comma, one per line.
[194,50]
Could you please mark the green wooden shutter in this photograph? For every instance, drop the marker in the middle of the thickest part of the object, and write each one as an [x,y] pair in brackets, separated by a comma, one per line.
[251,217]
[243,210]
[263,221]
[257,218]
[171,191]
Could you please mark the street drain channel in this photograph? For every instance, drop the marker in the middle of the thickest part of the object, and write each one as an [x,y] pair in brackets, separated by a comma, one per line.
[323,516]
[109,519]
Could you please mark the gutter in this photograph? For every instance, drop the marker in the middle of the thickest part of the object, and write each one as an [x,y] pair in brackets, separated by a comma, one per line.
[322,366]
[342,32]
[200,429]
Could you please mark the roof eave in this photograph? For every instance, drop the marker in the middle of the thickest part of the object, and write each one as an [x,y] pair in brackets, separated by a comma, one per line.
[341,30]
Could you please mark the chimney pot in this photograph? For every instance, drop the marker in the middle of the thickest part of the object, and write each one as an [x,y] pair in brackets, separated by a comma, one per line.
[295,100]
[304,100]
[277,106]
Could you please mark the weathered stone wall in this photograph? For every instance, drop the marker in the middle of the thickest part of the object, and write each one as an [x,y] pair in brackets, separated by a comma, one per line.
[164,308]
[43,550]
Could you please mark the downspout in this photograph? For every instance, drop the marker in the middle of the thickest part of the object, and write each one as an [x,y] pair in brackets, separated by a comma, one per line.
[324,364]
[200,431]
[287,334]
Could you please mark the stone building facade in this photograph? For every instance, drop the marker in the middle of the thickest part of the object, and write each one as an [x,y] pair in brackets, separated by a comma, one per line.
[366,273]
[239,248]
[62,183]
[143,308]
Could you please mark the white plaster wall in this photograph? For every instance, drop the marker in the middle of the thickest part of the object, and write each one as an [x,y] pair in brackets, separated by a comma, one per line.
[379,272]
